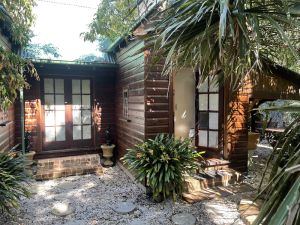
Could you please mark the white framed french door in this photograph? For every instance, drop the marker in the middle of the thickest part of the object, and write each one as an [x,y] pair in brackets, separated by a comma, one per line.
[67,113]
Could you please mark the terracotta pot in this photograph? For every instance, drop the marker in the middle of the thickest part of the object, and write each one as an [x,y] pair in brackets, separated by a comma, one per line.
[108,153]
[253,139]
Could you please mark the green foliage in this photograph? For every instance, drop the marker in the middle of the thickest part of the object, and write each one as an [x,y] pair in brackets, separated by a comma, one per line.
[227,38]
[162,162]
[12,76]
[89,58]
[12,182]
[112,20]
[21,12]
[282,194]
[34,51]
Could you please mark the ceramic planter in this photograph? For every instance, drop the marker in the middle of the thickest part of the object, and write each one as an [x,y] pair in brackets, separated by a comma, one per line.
[108,151]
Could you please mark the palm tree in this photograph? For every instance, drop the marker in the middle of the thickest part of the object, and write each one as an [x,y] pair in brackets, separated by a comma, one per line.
[234,37]
[230,39]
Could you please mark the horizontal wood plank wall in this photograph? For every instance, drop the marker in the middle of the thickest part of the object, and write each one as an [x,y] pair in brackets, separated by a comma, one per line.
[158,98]
[131,130]
[7,132]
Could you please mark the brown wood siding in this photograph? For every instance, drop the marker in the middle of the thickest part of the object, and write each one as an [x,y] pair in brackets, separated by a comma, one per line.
[159,116]
[131,130]
[7,132]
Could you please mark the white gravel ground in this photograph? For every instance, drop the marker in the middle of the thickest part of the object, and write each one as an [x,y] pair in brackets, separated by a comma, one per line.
[93,197]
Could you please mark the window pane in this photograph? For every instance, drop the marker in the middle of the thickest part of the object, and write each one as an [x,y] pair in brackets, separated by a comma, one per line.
[76,87]
[213,139]
[50,134]
[86,132]
[59,86]
[203,87]
[59,102]
[202,138]
[60,118]
[203,120]
[86,101]
[203,104]
[86,116]
[48,85]
[60,134]
[49,102]
[76,116]
[86,87]
[76,132]
[49,118]
[214,102]
[76,101]
[213,120]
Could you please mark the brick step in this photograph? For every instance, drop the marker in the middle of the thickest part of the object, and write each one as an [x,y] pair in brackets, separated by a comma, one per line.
[215,164]
[67,166]
[216,192]
[210,179]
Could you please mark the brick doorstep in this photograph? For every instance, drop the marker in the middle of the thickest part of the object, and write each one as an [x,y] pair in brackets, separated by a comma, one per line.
[68,166]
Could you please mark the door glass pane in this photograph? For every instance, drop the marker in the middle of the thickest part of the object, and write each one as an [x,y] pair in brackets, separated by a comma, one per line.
[76,101]
[48,85]
[86,101]
[76,132]
[86,116]
[59,102]
[76,116]
[50,134]
[60,118]
[86,87]
[213,120]
[214,102]
[49,102]
[203,120]
[76,87]
[59,86]
[202,138]
[49,118]
[60,134]
[213,86]
[203,87]
[203,102]
[213,139]
[86,132]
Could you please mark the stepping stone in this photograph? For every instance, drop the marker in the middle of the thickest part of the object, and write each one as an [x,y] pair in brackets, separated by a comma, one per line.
[184,219]
[124,207]
[61,209]
[66,186]
[75,222]
[139,222]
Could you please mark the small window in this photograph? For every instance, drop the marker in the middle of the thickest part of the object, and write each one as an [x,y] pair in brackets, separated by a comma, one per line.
[125,103]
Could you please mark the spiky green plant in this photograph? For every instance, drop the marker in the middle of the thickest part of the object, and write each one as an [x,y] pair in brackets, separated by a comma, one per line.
[12,182]
[162,163]
[282,194]
[227,38]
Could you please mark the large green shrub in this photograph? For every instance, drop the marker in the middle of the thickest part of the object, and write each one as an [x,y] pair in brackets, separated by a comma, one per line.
[12,182]
[162,163]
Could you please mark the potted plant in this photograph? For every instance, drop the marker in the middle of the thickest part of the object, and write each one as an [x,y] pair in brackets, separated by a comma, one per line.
[162,163]
[108,148]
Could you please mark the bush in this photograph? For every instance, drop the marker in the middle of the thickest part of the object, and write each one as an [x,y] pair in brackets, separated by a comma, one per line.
[162,163]
[12,182]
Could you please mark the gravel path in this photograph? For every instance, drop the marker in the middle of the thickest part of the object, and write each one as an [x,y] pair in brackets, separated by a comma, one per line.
[92,197]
